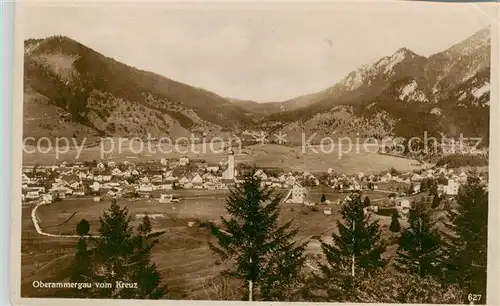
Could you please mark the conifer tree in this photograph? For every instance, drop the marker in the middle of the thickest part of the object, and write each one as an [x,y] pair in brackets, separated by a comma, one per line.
[410,189]
[355,252]
[323,198]
[433,187]
[81,269]
[466,247]
[395,226]
[436,200]
[424,185]
[419,246]
[367,202]
[266,258]
[119,254]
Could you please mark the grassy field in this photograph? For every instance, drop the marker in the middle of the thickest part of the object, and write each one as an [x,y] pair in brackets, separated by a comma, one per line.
[268,155]
[182,255]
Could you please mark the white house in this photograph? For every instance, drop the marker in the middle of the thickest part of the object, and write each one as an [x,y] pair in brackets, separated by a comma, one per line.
[47,198]
[184,180]
[386,177]
[296,194]
[197,180]
[404,206]
[290,180]
[184,160]
[165,198]
[416,177]
[32,195]
[74,184]
[145,187]
[416,187]
[116,172]
[100,166]
[261,174]
[82,175]
[95,186]
[452,188]
[166,187]
[462,177]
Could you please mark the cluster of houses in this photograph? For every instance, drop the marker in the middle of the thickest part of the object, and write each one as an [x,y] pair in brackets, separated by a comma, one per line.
[448,180]
[113,179]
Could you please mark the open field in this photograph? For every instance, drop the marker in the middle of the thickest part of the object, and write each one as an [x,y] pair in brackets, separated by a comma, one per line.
[268,155]
[182,255]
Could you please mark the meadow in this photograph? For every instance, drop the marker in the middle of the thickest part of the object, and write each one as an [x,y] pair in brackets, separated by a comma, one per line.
[182,255]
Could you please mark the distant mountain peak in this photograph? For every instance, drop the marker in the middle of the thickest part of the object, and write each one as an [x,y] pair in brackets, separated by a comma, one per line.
[480,39]
[54,44]
[379,67]
[404,52]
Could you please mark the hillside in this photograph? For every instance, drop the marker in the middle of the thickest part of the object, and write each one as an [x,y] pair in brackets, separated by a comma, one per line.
[448,93]
[70,88]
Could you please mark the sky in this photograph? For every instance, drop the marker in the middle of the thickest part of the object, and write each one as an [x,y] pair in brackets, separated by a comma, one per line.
[261,52]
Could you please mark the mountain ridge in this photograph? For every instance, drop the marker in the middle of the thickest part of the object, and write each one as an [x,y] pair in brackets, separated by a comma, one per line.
[89,93]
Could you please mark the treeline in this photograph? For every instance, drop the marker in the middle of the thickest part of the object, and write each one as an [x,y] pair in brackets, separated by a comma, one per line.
[463,160]
[433,264]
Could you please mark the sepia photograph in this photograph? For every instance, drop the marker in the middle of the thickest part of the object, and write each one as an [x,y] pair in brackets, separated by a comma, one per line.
[279,152]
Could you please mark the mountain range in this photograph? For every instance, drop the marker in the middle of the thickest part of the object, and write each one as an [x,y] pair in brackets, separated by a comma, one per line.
[71,90]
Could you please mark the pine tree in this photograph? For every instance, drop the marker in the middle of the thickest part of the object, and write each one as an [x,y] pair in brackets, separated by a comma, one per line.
[467,239]
[436,200]
[323,198]
[355,252]
[145,271]
[433,188]
[119,254]
[266,258]
[419,246]
[395,226]
[424,185]
[410,189]
[367,202]
[81,268]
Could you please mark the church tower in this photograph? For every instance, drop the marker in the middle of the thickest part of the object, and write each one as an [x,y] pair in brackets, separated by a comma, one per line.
[229,172]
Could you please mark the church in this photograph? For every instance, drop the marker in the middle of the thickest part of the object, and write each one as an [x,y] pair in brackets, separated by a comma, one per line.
[229,173]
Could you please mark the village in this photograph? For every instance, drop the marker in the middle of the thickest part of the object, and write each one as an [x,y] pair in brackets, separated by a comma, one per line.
[157,180]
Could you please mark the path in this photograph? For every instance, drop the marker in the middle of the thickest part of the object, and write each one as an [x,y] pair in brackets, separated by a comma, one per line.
[39,230]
